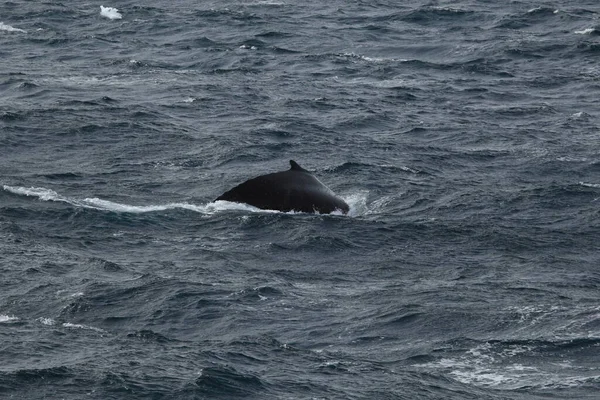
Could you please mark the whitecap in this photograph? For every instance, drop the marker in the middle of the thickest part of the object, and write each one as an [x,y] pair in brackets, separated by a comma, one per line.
[591,185]
[585,31]
[110,12]
[364,58]
[47,321]
[408,169]
[571,159]
[7,318]
[79,326]
[8,28]
[266,3]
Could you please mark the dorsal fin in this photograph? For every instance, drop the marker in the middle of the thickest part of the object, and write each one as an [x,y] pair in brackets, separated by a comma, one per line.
[296,167]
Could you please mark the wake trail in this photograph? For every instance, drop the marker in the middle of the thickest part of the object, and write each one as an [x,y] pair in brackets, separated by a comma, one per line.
[95,203]
[356,203]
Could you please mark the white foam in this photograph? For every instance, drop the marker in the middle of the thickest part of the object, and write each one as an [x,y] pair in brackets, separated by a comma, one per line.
[209,208]
[118,207]
[592,185]
[365,58]
[222,205]
[8,318]
[358,203]
[110,12]
[482,369]
[585,31]
[571,159]
[47,321]
[403,168]
[507,367]
[575,381]
[517,376]
[8,28]
[536,9]
[266,3]
[487,378]
[42,193]
[78,326]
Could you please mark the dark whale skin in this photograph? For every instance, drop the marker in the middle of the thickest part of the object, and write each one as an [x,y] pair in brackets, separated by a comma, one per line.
[293,190]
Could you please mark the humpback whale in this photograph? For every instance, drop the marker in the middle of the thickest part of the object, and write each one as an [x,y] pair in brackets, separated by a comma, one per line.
[293,190]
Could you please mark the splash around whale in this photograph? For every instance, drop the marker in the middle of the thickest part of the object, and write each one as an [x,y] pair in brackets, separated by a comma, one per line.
[293,190]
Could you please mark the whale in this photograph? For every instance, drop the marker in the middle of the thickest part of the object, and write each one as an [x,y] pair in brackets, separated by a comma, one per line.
[293,190]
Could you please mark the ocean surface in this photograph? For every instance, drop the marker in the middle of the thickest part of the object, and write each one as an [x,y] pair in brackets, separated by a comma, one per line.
[465,135]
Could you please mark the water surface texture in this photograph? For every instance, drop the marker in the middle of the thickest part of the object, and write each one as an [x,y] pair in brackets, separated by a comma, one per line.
[464,135]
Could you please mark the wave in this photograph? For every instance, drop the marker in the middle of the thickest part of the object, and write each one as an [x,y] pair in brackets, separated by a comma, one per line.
[538,15]
[225,380]
[435,14]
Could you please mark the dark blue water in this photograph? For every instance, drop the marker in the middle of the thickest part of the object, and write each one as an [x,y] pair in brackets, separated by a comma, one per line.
[463,134]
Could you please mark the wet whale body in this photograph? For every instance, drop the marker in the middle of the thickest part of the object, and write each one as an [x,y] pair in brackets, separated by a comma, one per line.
[293,190]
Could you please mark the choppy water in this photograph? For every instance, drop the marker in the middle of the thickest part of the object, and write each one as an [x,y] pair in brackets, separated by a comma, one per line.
[464,135]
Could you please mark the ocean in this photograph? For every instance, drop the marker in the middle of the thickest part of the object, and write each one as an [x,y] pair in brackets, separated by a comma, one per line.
[464,135]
